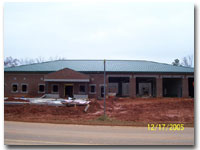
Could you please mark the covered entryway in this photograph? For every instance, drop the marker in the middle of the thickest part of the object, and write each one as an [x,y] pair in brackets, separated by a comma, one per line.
[172,87]
[69,90]
[68,83]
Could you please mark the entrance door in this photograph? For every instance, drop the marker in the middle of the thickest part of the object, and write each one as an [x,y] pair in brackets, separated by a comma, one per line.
[102,91]
[68,90]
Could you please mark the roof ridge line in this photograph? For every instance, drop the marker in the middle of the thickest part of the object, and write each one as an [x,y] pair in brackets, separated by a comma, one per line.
[171,64]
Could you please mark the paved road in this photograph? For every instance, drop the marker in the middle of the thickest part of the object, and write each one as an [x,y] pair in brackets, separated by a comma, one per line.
[19,133]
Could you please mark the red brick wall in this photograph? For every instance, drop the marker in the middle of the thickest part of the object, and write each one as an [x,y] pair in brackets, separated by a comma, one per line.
[98,79]
[159,87]
[185,88]
[66,74]
[61,86]
[31,79]
[132,87]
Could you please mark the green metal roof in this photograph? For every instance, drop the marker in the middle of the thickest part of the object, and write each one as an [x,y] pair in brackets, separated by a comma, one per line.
[98,65]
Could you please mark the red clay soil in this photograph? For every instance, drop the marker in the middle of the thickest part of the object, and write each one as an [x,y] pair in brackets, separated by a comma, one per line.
[151,110]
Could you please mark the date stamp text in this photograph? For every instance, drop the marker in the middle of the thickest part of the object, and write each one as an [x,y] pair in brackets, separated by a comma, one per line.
[165,127]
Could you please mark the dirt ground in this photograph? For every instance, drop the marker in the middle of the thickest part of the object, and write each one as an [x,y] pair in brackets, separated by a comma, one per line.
[121,111]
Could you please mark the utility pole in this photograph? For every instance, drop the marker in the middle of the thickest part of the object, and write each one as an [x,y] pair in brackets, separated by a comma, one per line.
[104,88]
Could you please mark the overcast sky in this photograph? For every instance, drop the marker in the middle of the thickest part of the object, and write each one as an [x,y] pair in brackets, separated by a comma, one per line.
[117,30]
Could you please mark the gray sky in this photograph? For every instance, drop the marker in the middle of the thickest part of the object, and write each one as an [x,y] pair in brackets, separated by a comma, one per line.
[117,30]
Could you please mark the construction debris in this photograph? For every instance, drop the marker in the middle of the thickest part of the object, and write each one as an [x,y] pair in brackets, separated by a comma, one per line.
[78,102]
[86,108]
[15,103]
[48,101]
[159,110]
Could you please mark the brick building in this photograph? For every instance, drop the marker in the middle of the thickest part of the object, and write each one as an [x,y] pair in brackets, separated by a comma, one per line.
[85,78]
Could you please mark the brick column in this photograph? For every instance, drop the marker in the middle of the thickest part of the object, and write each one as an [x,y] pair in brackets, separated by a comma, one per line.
[132,87]
[185,89]
[46,88]
[61,90]
[159,87]
[87,88]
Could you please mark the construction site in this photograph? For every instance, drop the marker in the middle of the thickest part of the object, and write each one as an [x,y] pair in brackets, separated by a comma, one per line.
[119,111]
[96,92]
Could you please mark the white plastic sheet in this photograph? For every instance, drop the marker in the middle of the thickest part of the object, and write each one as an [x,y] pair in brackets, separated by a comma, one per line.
[55,102]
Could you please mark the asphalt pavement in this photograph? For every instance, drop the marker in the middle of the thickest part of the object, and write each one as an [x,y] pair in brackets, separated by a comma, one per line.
[21,133]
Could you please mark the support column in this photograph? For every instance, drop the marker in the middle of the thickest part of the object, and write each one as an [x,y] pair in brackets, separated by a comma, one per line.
[86,88]
[185,89]
[107,82]
[46,88]
[159,86]
[61,90]
[132,87]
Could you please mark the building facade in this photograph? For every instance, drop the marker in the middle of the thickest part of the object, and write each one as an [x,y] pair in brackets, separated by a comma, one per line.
[85,78]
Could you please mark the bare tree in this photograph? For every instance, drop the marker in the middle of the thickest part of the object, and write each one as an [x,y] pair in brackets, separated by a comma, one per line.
[26,61]
[176,62]
[187,61]
[40,59]
[11,62]
[56,58]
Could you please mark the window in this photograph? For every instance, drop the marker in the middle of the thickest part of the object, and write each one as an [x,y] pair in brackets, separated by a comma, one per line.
[41,88]
[24,88]
[55,89]
[15,88]
[82,88]
[92,88]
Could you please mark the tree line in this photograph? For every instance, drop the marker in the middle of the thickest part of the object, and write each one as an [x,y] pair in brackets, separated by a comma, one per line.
[12,62]
[187,61]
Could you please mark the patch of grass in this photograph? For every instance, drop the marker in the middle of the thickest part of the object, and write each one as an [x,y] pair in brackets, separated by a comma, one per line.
[107,121]
[104,118]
